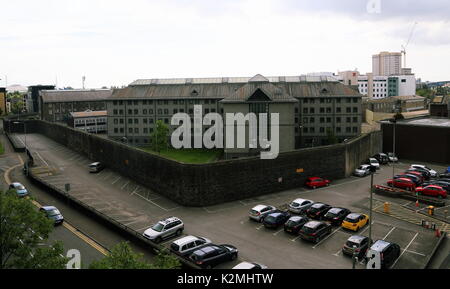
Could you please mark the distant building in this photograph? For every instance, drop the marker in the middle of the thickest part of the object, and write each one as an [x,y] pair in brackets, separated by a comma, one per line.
[3,107]
[440,106]
[89,121]
[387,63]
[58,104]
[32,98]
[17,88]
[375,109]
[309,106]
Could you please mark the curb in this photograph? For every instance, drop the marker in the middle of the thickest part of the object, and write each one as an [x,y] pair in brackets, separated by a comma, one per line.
[443,236]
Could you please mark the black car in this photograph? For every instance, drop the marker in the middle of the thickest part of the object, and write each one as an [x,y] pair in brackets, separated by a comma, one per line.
[389,252]
[444,180]
[294,224]
[315,231]
[426,174]
[443,184]
[276,219]
[356,245]
[444,175]
[416,180]
[382,158]
[213,255]
[336,215]
[317,210]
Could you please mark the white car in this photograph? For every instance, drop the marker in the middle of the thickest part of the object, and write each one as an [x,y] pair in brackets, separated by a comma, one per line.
[249,265]
[299,206]
[164,229]
[259,212]
[432,172]
[374,162]
[362,171]
[188,244]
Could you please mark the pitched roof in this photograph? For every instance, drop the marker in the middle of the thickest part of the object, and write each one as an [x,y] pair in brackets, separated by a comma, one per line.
[75,95]
[259,88]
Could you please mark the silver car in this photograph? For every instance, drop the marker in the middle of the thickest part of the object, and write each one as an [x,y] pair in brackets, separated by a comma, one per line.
[164,229]
[299,206]
[373,162]
[259,212]
[188,244]
[362,171]
[432,172]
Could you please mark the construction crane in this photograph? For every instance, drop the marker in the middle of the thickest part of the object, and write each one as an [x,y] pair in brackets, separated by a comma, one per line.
[406,45]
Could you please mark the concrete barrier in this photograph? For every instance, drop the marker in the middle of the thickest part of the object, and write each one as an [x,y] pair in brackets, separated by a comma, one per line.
[407,195]
[17,145]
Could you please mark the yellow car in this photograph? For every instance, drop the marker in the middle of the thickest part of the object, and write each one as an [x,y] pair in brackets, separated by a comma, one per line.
[355,221]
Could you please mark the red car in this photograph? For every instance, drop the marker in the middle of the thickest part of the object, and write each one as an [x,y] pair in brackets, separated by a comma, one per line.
[402,183]
[432,190]
[416,174]
[315,182]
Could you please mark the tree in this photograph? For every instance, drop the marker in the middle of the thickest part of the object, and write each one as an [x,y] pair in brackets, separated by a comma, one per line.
[160,137]
[21,230]
[123,257]
[17,106]
[332,139]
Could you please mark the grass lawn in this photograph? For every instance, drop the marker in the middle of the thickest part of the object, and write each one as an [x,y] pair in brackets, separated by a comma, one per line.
[2,150]
[190,156]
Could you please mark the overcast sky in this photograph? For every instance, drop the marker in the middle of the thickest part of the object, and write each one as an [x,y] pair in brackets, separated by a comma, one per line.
[114,42]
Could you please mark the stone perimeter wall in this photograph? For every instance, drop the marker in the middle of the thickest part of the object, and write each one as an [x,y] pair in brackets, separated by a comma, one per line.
[215,183]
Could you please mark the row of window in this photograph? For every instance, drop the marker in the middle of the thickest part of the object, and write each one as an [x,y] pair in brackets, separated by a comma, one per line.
[354,119]
[329,100]
[323,130]
[160,111]
[90,120]
[312,110]
[164,102]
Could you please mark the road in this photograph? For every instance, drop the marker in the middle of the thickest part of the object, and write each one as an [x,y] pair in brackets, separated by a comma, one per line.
[138,207]
[81,232]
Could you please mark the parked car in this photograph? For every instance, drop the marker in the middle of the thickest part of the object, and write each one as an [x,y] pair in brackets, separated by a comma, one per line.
[416,180]
[392,157]
[355,221]
[249,265]
[426,174]
[96,167]
[357,245]
[299,206]
[402,183]
[187,245]
[213,255]
[316,182]
[276,219]
[444,175]
[374,162]
[317,210]
[382,158]
[417,174]
[336,215]
[432,190]
[315,231]
[259,212]
[443,184]
[432,172]
[294,224]
[389,252]
[362,171]
[164,229]
[19,189]
[53,214]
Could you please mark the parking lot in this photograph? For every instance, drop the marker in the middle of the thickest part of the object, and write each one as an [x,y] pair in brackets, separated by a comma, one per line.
[138,207]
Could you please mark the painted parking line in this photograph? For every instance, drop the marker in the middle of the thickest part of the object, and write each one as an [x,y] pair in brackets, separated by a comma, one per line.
[393,228]
[150,201]
[134,191]
[259,227]
[296,238]
[276,233]
[116,180]
[126,184]
[404,250]
[332,233]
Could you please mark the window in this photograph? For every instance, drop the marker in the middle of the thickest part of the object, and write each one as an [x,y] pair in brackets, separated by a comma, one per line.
[305,100]
[136,111]
[136,130]
[116,121]
[328,109]
[130,120]
[349,119]
[136,102]
[349,109]
[175,110]
[348,129]
[144,102]
[355,109]
[145,130]
[338,129]
[355,119]
[121,121]
[115,111]
[322,129]
[145,120]
[322,110]
[322,120]
[114,102]
[166,111]
[311,120]
[305,110]
[206,101]
[116,130]
[159,111]
[166,102]
[144,111]
[130,111]
[150,120]
[328,119]
[150,111]
[338,110]
[130,130]
[121,130]
[136,121]
[338,119]
[355,129]
[338,100]
[311,110]
[206,110]
[322,100]
[121,111]
[175,102]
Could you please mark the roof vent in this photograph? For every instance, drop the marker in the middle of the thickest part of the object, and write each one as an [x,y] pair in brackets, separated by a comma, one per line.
[324,90]
[194,93]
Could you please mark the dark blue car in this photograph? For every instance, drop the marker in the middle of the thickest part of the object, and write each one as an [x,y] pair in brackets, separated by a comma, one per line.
[53,214]
[276,219]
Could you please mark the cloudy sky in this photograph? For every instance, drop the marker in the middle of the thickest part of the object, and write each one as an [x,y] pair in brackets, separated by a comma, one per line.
[114,42]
